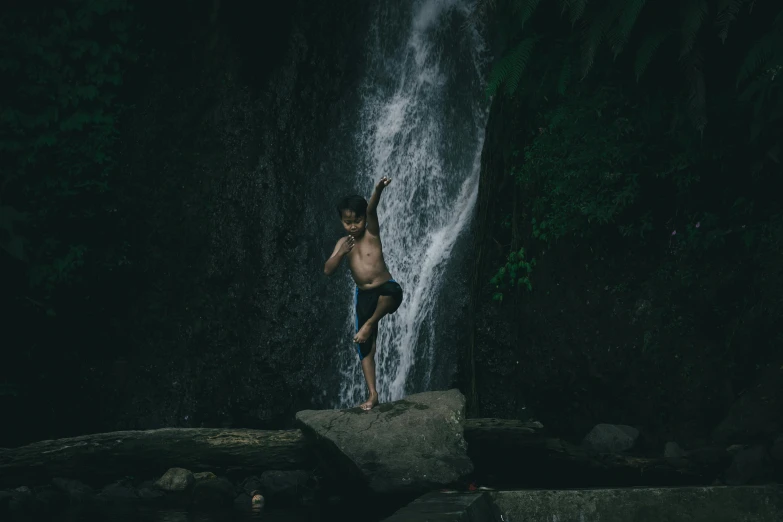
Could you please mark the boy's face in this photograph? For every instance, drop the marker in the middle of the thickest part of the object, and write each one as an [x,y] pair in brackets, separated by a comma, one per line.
[353,225]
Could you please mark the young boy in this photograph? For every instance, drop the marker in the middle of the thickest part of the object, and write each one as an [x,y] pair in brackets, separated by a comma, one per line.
[377,294]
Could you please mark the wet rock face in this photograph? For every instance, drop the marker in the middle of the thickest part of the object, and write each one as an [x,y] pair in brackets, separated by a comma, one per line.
[413,444]
[239,169]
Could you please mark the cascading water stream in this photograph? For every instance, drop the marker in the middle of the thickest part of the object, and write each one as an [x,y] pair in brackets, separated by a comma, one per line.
[422,123]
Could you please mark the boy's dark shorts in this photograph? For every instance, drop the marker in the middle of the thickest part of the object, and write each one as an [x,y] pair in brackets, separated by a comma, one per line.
[366,301]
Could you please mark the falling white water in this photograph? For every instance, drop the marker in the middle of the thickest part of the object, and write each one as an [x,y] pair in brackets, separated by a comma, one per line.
[422,124]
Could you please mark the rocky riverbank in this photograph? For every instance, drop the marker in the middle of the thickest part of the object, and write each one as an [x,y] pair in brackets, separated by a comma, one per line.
[387,457]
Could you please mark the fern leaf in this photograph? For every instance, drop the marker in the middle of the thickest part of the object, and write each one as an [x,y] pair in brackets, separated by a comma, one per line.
[565,5]
[765,50]
[692,17]
[727,13]
[647,50]
[521,54]
[525,9]
[756,86]
[595,32]
[498,73]
[618,37]
[576,9]
[767,108]
[758,107]
[696,102]
[513,64]
[565,77]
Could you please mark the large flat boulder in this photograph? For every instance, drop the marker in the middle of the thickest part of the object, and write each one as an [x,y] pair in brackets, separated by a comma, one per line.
[691,504]
[414,444]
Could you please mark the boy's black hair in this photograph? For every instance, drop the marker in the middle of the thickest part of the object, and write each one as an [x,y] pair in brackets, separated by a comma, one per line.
[356,204]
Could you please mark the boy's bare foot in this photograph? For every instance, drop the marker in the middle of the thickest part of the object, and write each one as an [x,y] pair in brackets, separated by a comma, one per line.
[370,403]
[364,333]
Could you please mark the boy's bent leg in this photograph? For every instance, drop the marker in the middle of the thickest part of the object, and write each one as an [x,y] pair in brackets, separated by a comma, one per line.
[368,368]
[386,305]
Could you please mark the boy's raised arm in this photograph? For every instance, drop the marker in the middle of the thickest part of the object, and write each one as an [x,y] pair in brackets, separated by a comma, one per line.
[373,226]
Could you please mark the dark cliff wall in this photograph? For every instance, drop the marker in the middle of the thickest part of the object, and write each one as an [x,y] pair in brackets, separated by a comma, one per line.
[227,172]
[605,337]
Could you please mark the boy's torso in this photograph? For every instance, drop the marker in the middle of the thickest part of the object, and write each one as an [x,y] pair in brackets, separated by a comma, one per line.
[367,264]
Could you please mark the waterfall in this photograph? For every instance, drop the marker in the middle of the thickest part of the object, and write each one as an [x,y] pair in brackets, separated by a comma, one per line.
[421,122]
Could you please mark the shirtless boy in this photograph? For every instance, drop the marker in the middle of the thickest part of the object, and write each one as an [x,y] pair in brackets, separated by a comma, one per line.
[377,294]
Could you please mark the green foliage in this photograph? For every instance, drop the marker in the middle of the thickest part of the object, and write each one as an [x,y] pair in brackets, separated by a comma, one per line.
[611,24]
[61,70]
[510,68]
[581,167]
[675,235]
[584,166]
[767,51]
[514,274]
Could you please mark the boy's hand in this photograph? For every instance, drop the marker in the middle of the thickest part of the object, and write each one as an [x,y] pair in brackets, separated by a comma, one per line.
[383,183]
[347,245]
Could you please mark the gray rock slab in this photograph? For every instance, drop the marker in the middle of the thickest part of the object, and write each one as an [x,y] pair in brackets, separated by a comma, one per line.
[119,492]
[691,504]
[749,465]
[446,507]
[176,479]
[611,438]
[76,491]
[672,450]
[414,444]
